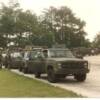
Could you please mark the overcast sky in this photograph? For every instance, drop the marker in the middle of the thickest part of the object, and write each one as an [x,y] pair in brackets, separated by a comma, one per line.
[87,10]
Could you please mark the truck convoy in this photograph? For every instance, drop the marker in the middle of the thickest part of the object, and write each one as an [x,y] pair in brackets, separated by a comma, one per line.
[55,62]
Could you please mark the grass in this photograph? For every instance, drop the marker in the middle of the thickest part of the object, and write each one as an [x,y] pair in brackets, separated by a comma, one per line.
[13,85]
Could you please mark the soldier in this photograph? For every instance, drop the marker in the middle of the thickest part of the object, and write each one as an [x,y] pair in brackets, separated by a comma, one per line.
[7,60]
[0,61]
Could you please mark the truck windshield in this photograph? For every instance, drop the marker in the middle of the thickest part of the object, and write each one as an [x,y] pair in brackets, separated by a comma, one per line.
[61,53]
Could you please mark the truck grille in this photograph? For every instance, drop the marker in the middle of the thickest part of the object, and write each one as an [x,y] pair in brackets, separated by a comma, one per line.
[72,65]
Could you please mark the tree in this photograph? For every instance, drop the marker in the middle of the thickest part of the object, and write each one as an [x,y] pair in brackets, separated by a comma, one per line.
[45,39]
[96,42]
[25,25]
[66,27]
[2,41]
[17,23]
[56,25]
[7,21]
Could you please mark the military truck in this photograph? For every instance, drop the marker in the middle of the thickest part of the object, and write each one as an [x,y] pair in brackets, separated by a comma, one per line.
[56,63]
[14,60]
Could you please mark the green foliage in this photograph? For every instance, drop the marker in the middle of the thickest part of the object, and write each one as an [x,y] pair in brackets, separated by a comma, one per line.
[25,25]
[7,22]
[45,39]
[56,25]
[2,41]
[67,28]
[96,42]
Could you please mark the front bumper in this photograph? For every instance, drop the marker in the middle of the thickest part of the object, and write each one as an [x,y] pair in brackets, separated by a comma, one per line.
[71,71]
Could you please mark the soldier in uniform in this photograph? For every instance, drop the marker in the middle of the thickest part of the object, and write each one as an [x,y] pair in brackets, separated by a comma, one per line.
[0,61]
[7,60]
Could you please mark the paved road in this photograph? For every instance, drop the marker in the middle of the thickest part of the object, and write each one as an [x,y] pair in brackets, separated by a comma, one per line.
[89,88]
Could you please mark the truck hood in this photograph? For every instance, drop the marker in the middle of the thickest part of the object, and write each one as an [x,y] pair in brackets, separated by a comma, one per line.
[67,59]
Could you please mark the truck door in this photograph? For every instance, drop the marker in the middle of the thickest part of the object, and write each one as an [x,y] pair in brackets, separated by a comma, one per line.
[39,62]
[30,61]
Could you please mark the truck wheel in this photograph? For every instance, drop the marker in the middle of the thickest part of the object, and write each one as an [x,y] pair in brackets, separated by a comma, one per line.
[51,76]
[25,70]
[9,66]
[37,74]
[80,77]
[0,66]
[6,65]
[20,69]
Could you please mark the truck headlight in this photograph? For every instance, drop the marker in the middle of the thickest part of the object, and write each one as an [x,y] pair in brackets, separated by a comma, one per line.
[86,65]
[59,65]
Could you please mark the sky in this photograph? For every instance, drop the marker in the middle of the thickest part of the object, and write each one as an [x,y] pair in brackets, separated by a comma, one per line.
[87,10]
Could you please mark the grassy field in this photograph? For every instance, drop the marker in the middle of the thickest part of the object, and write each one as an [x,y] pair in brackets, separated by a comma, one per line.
[13,85]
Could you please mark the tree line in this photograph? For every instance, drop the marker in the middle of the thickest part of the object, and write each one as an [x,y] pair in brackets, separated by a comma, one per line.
[54,25]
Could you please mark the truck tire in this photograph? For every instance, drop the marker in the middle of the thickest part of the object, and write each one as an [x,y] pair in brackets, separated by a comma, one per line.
[0,66]
[20,69]
[80,77]
[6,65]
[9,66]
[25,70]
[51,76]
[37,75]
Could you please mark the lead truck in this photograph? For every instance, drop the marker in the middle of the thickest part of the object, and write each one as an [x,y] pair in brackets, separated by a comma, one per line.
[56,63]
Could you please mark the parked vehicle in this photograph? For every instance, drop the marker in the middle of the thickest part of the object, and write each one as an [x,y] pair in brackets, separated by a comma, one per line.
[14,60]
[57,63]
